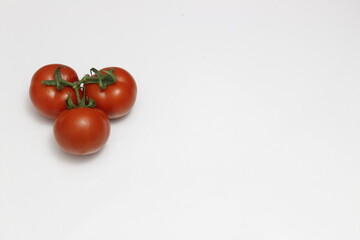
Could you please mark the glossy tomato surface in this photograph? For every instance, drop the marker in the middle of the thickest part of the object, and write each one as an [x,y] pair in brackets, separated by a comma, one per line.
[47,99]
[118,98]
[82,131]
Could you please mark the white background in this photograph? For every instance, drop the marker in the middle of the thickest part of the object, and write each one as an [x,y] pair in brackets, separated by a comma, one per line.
[246,126]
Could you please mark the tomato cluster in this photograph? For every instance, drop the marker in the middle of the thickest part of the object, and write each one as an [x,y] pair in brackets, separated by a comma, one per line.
[82,108]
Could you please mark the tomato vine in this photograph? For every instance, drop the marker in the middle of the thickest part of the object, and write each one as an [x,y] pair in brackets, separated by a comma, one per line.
[102,79]
[82,108]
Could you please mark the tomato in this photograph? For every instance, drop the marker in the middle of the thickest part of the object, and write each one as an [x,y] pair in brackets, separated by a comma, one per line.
[82,131]
[118,98]
[47,99]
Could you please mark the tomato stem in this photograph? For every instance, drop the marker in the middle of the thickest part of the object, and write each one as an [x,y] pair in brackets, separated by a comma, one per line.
[77,95]
[84,80]
[103,79]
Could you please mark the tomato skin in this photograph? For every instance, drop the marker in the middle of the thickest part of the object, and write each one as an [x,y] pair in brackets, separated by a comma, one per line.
[82,131]
[47,99]
[118,98]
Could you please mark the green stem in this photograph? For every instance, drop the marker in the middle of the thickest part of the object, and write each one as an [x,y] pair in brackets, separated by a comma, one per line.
[77,95]
[53,83]
[103,79]
[93,81]
[67,83]
[92,78]
[85,80]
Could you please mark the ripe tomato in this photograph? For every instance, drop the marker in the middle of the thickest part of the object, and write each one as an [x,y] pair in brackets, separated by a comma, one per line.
[82,131]
[47,99]
[118,98]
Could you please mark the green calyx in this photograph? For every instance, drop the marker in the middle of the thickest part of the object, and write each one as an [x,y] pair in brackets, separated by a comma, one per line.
[103,79]
[83,102]
[59,82]
[106,79]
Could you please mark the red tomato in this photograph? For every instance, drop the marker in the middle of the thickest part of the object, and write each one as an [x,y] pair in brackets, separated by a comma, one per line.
[47,99]
[82,131]
[118,98]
